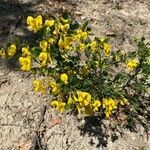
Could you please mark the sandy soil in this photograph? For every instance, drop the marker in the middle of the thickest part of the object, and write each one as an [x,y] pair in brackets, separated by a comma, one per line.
[20,107]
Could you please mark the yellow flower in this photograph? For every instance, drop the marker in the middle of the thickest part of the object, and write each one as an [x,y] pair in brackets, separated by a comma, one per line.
[51,41]
[108,113]
[83,97]
[96,105]
[110,105]
[66,43]
[44,45]
[93,45]
[84,35]
[43,58]
[54,86]
[61,106]
[70,100]
[64,78]
[102,39]
[11,50]
[38,86]
[122,52]
[81,35]
[2,53]
[58,105]
[124,101]
[50,59]
[117,58]
[61,43]
[49,23]
[25,63]
[34,24]
[48,29]
[131,64]
[82,47]
[107,49]
[56,31]
[77,37]
[65,27]
[25,52]
[54,103]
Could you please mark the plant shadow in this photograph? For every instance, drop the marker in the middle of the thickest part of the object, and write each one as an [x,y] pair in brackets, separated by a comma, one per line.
[95,127]
[111,131]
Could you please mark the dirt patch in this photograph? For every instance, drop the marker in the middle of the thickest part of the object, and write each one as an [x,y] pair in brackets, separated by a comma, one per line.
[20,107]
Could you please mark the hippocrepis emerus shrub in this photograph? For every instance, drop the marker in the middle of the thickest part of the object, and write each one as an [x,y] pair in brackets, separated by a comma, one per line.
[81,73]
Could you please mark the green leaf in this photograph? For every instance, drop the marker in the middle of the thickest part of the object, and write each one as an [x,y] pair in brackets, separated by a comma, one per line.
[35,51]
[65,15]
[74,26]
[87,83]
[146,68]
[85,24]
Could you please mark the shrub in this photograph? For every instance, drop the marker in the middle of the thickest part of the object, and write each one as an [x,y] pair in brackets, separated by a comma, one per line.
[82,74]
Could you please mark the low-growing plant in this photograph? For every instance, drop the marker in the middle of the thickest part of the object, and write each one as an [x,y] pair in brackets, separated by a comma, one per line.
[83,74]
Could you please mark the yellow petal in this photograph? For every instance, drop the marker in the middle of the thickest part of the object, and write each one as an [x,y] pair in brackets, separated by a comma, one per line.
[107,49]
[43,45]
[36,85]
[61,43]
[29,20]
[86,102]
[65,27]
[51,41]
[39,19]
[61,106]
[64,20]
[49,23]
[97,103]
[70,100]
[84,35]
[54,103]
[82,46]
[11,50]
[25,51]
[25,63]
[43,58]
[2,53]
[64,78]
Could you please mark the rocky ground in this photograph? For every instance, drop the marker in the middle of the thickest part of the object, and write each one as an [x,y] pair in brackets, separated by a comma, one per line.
[21,110]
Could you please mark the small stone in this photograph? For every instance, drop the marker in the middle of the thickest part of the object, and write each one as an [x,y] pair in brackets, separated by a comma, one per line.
[20,80]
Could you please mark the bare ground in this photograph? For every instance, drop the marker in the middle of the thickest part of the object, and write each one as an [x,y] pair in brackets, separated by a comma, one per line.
[20,107]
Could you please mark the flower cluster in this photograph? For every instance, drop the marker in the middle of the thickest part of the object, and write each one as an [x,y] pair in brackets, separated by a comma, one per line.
[10,51]
[131,64]
[82,101]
